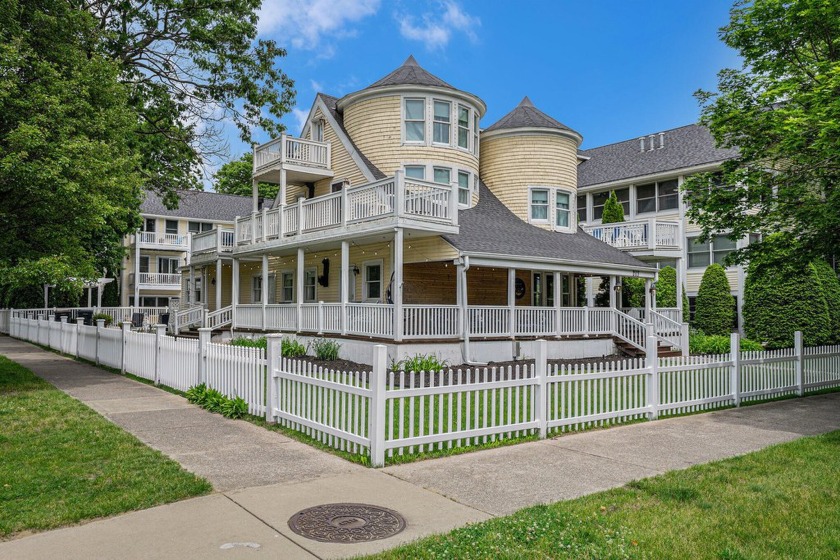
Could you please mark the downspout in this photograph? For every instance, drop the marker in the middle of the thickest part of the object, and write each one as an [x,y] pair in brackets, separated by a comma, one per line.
[466,349]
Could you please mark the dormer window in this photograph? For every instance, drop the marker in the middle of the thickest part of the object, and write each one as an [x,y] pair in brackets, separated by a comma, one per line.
[442,121]
[415,120]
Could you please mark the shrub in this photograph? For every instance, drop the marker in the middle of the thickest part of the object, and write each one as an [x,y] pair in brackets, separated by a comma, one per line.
[715,314]
[830,285]
[234,408]
[613,210]
[213,400]
[699,343]
[666,291]
[291,348]
[325,349]
[108,319]
[260,342]
[197,394]
[784,297]
[420,362]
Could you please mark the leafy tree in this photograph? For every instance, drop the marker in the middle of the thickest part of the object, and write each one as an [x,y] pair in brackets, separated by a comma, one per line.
[234,177]
[613,210]
[666,290]
[781,111]
[715,313]
[830,286]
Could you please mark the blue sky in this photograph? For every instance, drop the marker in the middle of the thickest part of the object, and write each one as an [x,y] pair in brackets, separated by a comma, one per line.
[612,70]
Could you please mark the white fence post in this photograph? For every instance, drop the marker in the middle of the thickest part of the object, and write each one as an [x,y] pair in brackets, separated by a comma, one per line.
[685,339]
[100,324]
[79,322]
[540,400]
[320,317]
[735,376]
[204,334]
[652,359]
[160,331]
[126,328]
[273,355]
[61,342]
[376,412]
[799,363]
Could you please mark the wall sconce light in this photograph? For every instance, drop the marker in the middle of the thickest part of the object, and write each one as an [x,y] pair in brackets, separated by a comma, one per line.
[617,288]
[355,270]
[653,289]
[213,281]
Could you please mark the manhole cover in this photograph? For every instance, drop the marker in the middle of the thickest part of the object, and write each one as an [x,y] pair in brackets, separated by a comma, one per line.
[346,523]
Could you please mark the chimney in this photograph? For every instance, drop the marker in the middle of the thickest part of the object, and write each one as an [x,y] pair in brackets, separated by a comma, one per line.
[661,140]
[642,144]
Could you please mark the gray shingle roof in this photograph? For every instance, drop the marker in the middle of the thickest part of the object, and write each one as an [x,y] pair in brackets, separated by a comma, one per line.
[410,73]
[687,146]
[201,205]
[490,227]
[526,115]
[331,102]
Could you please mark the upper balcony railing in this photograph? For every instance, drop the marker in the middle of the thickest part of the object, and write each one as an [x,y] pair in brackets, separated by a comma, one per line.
[396,196]
[167,241]
[295,151]
[159,279]
[639,235]
[217,240]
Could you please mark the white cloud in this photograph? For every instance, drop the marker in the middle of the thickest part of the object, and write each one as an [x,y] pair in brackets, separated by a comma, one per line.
[435,30]
[300,116]
[316,86]
[302,24]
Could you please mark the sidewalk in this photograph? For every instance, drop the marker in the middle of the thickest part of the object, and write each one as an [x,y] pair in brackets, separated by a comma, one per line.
[263,478]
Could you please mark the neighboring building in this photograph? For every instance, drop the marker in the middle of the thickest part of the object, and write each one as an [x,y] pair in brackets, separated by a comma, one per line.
[151,275]
[398,220]
[646,174]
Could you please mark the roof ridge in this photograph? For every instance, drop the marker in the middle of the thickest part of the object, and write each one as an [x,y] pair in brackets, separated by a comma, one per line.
[633,139]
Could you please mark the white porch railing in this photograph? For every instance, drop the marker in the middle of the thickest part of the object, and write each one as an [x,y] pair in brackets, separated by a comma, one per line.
[638,235]
[167,240]
[159,279]
[219,318]
[185,318]
[295,151]
[217,240]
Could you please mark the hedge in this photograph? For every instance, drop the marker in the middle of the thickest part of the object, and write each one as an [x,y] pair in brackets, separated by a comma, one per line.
[831,290]
[780,299]
[715,306]
[666,291]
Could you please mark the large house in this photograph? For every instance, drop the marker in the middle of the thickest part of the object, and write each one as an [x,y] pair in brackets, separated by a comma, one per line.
[399,220]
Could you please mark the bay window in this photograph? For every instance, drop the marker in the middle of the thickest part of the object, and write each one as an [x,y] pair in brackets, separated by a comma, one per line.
[415,120]
[441,124]
[463,127]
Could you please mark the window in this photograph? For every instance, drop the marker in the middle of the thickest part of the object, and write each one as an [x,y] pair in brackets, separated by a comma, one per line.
[415,120]
[539,205]
[144,264]
[149,225]
[657,196]
[167,265]
[373,281]
[443,175]
[549,289]
[463,127]
[441,125]
[562,210]
[475,134]
[318,130]
[309,279]
[698,253]
[172,226]
[256,289]
[197,227]
[566,291]
[198,289]
[703,254]
[415,171]
[721,247]
[463,188]
[692,307]
[581,207]
[599,199]
[287,287]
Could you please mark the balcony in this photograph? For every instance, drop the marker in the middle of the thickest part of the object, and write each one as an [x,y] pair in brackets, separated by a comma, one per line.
[162,241]
[639,236]
[209,245]
[302,160]
[159,281]
[382,205]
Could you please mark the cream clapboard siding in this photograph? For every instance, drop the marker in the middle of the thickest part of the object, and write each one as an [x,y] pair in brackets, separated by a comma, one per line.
[511,164]
[342,163]
[375,126]
[693,277]
[227,285]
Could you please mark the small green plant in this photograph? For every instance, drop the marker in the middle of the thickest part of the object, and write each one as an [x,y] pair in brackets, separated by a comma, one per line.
[325,349]
[699,343]
[234,408]
[291,348]
[260,342]
[214,400]
[108,318]
[197,394]
[420,362]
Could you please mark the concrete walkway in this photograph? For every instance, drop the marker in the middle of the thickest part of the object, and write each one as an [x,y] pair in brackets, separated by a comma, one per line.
[263,478]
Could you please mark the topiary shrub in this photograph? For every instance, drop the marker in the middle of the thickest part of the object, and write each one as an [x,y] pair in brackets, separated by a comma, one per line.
[715,313]
[666,291]
[613,210]
[782,298]
[830,285]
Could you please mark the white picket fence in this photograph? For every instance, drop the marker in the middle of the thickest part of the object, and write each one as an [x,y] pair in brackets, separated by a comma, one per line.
[179,363]
[383,413]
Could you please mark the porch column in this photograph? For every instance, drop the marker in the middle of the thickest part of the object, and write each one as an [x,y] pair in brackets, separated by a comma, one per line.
[590,291]
[234,291]
[558,303]
[264,289]
[679,286]
[299,289]
[137,269]
[648,300]
[255,192]
[460,281]
[192,286]
[282,192]
[511,301]
[345,283]
[218,284]
[396,289]
[613,302]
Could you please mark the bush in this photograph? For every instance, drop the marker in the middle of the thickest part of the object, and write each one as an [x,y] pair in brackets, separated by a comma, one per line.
[784,297]
[260,342]
[633,292]
[699,343]
[213,400]
[613,210]
[325,349]
[715,313]
[234,408]
[830,285]
[420,362]
[666,291]
[291,348]
[197,394]
[108,319]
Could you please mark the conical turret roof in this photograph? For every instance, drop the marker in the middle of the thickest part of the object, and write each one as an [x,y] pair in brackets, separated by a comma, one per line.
[526,115]
[410,73]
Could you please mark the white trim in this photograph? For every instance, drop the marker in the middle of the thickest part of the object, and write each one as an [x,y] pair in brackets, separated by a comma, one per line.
[339,132]
[408,89]
[551,218]
[658,176]
[556,265]
[533,131]
[314,272]
[429,123]
[374,262]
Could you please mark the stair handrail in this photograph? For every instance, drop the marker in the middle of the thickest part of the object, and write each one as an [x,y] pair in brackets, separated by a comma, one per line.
[629,329]
[666,329]
[220,317]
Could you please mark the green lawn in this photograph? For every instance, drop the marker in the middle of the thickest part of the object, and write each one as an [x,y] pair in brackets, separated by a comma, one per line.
[63,463]
[782,502]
